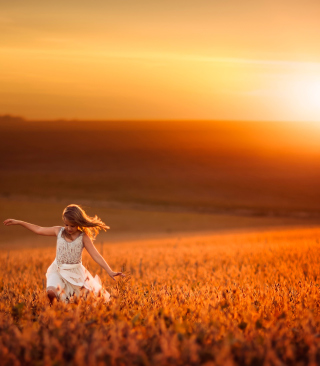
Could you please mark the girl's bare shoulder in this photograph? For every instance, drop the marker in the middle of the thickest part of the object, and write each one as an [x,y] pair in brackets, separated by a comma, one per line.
[87,241]
[86,237]
[57,229]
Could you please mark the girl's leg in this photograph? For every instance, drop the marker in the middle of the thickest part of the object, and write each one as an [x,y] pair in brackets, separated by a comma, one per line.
[52,294]
[55,285]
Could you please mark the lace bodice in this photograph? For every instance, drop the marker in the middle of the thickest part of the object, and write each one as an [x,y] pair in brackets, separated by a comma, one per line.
[70,253]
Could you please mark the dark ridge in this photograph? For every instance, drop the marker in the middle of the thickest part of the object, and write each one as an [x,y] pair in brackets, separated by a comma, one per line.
[9,119]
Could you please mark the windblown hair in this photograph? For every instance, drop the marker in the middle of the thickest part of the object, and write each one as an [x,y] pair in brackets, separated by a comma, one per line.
[89,225]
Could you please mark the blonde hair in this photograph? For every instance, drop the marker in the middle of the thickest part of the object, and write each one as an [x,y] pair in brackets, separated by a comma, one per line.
[89,225]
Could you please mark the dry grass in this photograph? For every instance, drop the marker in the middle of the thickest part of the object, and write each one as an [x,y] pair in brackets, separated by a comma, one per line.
[236,299]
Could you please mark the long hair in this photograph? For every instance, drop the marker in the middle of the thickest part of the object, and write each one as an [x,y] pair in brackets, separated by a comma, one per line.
[89,225]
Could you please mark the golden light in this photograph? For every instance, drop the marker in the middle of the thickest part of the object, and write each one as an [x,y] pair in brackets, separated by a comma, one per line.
[303,96]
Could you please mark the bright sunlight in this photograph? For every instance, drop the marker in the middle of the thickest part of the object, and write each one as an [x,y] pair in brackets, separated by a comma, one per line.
[304,96]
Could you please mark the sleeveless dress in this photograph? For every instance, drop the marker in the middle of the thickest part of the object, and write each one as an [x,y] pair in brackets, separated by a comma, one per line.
[68,275]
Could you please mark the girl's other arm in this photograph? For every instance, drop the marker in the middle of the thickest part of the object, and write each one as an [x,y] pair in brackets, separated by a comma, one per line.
[96,256]
[48,231]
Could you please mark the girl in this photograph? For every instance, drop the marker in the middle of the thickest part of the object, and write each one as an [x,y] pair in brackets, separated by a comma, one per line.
[66,276]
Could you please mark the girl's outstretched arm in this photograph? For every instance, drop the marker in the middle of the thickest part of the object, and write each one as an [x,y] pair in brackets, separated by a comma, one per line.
[48,231]
[96,256]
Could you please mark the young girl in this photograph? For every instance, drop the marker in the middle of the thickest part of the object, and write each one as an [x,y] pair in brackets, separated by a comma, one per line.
[66,276]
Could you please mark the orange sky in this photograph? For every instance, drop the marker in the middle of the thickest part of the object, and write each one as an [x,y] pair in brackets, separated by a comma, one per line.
[235,60]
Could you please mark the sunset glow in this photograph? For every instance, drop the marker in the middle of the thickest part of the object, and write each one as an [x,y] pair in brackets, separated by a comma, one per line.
[161,61]
[305,94]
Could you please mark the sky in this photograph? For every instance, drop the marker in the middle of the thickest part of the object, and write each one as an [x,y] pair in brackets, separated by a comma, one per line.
[177,59]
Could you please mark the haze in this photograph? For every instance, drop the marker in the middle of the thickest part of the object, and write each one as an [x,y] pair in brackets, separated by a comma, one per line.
[161,60]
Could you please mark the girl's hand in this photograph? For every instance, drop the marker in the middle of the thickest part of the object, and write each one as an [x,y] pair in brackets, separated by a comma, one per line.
[114,274]
[9,222]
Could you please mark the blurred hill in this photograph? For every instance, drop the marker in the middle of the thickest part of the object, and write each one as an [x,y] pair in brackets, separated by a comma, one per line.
[245,168]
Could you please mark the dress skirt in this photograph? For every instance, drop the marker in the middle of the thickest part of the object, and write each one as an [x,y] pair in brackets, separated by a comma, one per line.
[70,279]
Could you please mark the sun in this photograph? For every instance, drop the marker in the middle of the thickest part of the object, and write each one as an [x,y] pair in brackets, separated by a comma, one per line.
[308,92]
[303,96]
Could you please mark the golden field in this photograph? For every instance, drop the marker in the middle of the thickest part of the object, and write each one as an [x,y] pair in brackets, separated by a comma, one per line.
[217,223]
[127,223]
[246,298]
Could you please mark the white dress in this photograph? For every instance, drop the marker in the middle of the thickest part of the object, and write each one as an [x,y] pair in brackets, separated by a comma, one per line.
[67,273]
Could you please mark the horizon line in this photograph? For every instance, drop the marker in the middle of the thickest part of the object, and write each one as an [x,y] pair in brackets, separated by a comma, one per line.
[62,119]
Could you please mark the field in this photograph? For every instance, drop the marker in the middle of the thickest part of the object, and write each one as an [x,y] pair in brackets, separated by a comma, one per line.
[251,169]
[249,298]
[215,223]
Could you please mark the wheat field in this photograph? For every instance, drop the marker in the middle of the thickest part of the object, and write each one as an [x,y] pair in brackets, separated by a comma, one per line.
[246,298]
